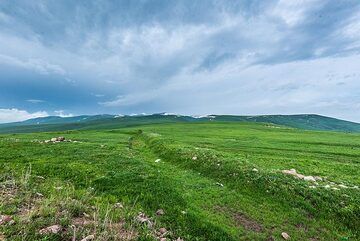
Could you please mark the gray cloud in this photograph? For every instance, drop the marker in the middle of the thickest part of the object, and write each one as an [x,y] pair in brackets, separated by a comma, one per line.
[193,57]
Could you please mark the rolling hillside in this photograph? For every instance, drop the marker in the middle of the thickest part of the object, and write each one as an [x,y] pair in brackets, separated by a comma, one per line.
[180,181]
[85,122]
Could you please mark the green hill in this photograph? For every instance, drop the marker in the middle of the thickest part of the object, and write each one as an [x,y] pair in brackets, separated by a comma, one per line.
[180,181]
[85,122]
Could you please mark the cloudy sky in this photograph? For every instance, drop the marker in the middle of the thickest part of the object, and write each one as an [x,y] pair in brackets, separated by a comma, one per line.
[185,56]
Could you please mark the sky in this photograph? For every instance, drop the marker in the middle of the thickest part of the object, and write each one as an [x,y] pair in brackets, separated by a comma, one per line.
[191,57]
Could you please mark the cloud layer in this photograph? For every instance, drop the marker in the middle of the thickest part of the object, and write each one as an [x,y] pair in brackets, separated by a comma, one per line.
[190,57]
[13,115]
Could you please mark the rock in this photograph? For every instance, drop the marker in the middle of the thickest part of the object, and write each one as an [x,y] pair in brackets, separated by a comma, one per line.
[118,205]
[5,219]
[255,170]
[285,236]
[343,186]
[289,172]
[163,239]
[12,222]
[162,230]
[39,194]
[194,158]
[47,141]
[142,218]
[219,184]
[88,238]
[157,160]
[327,186]
[54,229]
[313,187]
[179,239]
[309,178]
[60,138]
[317,178]
[160,212]
[53,139]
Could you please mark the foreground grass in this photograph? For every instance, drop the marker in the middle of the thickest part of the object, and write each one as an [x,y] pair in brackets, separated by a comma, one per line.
[200,175]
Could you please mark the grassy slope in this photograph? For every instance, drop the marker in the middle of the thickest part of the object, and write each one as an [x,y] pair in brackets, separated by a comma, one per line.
[249,206]
[97,122]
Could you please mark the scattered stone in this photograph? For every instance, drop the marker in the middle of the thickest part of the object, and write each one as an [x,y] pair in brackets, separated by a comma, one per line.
[179,239]
[56,140]
[219,184]
[327,186]
[343,186]
[162,231]
[183,212]
[160,212]
[12,222]
[142,218]
[309,178]
[255,170]
[5,219]
[285,236]
[157,160]
[313,187]
[163,239]
[194,158]
[88,238]
[317,178]
[300,176]
[54,229]
[335,188]
[39,194]
[118,205]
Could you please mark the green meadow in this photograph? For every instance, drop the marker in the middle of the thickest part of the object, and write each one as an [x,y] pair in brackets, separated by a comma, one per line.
[181,181]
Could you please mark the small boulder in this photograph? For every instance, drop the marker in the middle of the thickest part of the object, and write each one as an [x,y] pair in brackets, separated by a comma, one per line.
[54,229]
[285,236]
[194,158]
[160,212]
[162,231]
[118,205]
[60,138]
[88,238]
[309,178]
[317,178]
[5,219]
[53,139]
[255,170]
[157,160]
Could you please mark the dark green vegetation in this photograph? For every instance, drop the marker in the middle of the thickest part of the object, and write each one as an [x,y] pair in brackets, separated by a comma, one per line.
[96,122]
[214,181]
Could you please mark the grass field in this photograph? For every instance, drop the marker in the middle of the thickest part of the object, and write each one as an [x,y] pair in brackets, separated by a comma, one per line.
[213,181]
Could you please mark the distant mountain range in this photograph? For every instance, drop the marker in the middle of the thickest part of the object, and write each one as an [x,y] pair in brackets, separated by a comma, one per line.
[56,123]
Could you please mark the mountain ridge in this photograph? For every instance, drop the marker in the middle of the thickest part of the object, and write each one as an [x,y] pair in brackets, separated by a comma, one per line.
[108,121]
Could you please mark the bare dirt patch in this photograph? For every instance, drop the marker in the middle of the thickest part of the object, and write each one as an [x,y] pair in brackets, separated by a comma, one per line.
[241,219]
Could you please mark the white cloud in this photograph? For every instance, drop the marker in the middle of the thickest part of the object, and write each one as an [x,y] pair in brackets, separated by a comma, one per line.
[38,65]
[35,101]
[13,115]
[293,12]
[61,113]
